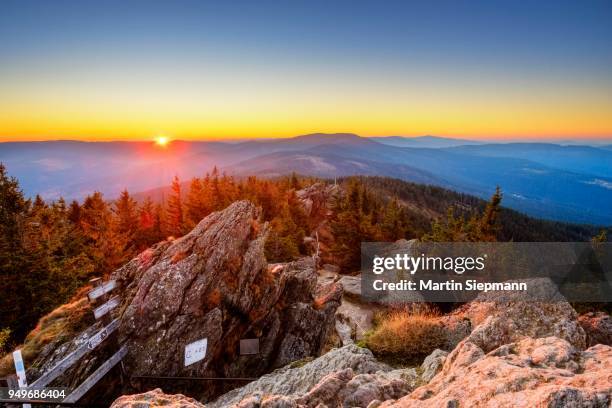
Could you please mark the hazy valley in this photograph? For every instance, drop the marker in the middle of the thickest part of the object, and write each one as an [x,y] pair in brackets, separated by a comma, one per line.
[541,179]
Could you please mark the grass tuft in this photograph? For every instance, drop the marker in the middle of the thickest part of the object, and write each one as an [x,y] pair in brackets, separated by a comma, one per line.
[406,336]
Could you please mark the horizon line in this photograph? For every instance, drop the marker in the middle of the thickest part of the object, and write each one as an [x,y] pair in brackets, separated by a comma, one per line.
[151,139]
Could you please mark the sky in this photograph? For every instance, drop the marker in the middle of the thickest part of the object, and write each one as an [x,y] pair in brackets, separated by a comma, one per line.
[132,70]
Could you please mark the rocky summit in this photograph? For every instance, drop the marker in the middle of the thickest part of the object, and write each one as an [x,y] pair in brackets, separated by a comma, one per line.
[525,354]
[215,283]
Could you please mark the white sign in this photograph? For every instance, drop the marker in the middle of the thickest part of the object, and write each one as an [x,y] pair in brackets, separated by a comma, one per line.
[20,370]
[195,351]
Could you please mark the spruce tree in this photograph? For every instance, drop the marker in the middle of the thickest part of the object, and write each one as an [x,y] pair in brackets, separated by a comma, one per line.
[174,213]
[125,210]
[196,204]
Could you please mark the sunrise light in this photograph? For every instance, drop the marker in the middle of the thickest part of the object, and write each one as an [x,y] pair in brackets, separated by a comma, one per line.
[162,141]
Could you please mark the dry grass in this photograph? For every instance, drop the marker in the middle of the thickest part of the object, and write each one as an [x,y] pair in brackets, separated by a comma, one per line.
[407,336]
[62,323]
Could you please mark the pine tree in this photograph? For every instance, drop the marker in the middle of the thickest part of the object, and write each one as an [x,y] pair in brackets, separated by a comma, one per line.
[13,258]
[74,213]
[483,227]
[488,226]
[294,182]
[196,205]
[125,209]
[174,214]
[106,247]
[147,231]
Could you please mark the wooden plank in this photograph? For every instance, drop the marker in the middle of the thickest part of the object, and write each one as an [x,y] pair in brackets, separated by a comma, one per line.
[101,290]
[93,379]
[75,356]
[106,307]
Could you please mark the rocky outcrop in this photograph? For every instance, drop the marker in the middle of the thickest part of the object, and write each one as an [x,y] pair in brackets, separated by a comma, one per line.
[548,372]
[215,283]
[499,318]
[293,381]
[316,199]
[520,353]
[156,398]
[598,328]
[339,389]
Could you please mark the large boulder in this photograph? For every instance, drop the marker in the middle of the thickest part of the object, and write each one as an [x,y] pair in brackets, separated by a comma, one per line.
[215,283]
[499,318]
[294,381]
[548,372]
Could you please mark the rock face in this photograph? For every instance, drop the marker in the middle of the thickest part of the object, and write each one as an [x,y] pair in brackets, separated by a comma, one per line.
[293,382]
[156,398]
[214,283]
[598,328]
[316,199]
[546,372]
[502,318]
[520,354]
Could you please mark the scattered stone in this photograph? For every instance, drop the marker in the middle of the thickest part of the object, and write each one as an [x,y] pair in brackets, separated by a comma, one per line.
[156,398]
[326,277]
[331,268]
[344,330]
[598,328]
[359,317]
[352,286]
[433,364]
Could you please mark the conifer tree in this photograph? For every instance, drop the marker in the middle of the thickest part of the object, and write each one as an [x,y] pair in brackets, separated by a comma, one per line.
[488,226]
[196,205]
[125,210]
[174,213]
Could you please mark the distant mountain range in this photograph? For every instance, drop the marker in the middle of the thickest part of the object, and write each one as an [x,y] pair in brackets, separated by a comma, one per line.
[564,182]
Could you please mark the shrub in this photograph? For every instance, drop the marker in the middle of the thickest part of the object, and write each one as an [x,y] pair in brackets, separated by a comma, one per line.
[60,325]
[5,334]
[406,336]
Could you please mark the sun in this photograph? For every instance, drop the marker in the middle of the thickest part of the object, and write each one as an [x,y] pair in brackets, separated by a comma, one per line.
[162,141]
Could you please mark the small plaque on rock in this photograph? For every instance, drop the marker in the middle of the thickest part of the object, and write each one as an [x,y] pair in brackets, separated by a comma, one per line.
[249,346]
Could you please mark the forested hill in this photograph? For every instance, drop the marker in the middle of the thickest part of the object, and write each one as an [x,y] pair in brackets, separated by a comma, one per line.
[425,203]
[48,250]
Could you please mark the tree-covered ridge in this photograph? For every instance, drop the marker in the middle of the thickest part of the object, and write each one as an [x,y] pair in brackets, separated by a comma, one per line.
[49,250]
[425,202]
